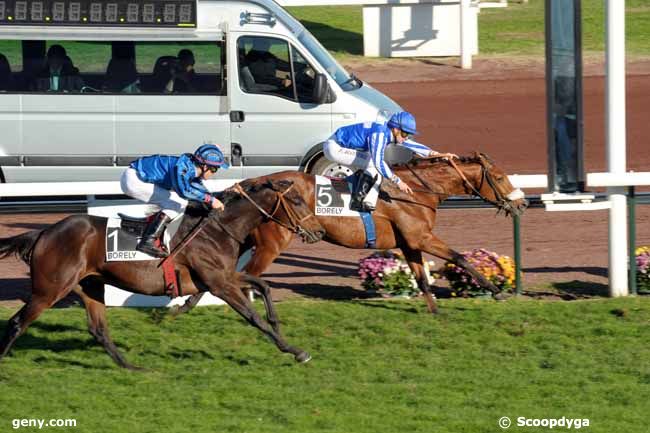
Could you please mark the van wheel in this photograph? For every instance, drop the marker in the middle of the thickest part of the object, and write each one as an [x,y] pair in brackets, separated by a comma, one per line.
[325,167]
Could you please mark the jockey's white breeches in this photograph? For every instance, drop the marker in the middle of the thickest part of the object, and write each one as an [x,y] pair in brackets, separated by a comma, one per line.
[357,159]
[169,202]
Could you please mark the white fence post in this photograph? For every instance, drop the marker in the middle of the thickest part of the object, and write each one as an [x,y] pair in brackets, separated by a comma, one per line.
[465,35]
[616,145]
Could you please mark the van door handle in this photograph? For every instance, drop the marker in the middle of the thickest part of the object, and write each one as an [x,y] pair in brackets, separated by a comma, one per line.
[237,116]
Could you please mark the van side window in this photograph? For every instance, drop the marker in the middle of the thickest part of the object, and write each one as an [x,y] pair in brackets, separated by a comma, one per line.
[180,68]
[304,74]
[57,73]
[264,66]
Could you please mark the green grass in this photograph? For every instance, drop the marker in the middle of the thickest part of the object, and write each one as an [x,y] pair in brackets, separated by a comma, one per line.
[377,367]
[515,30]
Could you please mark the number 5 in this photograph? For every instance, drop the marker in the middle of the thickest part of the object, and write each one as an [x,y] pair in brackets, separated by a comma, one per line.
[324,191]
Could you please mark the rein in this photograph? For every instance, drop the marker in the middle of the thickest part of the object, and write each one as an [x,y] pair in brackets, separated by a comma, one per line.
[484,177]
[428,189]
[281,202]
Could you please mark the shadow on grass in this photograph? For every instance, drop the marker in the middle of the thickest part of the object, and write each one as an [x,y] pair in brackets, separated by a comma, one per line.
[391,306]
[582,288]
[336,39]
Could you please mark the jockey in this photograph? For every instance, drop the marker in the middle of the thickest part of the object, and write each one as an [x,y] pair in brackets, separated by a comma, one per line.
[362,145]
[169,182]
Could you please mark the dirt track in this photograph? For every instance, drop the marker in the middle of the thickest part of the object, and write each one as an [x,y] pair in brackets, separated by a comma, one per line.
[461,111]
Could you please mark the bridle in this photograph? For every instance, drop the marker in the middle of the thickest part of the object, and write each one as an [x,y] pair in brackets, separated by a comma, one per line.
[501,201]
[293,226]
[295,221]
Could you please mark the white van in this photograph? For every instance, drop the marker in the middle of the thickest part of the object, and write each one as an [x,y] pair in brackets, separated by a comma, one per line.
[87,86]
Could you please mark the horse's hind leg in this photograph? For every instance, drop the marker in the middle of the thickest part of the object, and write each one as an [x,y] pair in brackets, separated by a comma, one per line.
[414,260]
[234,296]
[91,293]
[22,319]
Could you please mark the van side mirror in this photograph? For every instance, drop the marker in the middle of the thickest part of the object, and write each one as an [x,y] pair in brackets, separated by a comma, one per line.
[321,89]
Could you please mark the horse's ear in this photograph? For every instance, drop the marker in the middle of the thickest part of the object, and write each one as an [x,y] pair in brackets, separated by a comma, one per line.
[487,162]
[476,155]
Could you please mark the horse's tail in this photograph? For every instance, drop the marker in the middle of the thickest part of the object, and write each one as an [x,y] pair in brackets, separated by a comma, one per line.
[22,245]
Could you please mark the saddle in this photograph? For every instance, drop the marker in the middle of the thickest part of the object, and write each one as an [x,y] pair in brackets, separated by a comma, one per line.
[133,225]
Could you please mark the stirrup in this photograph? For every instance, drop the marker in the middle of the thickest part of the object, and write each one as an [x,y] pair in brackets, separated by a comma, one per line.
[147,248]
[360,206]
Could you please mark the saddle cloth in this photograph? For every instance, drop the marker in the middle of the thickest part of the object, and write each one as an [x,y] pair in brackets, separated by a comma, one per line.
[332,199]
[123,234]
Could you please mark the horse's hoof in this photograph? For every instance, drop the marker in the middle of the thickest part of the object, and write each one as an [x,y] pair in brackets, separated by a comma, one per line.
[303,357]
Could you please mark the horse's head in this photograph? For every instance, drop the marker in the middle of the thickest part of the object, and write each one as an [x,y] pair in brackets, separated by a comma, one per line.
[286,206]
[493,185]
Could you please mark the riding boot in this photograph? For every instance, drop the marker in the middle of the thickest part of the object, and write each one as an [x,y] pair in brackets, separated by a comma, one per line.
[152,233]
[364,184]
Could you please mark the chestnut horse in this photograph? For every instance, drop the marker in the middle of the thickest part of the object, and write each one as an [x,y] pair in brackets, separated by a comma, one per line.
[402,221]
[70,256]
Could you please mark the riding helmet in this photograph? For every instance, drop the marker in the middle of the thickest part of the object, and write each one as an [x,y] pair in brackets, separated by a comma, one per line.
[210,154]
[404,121]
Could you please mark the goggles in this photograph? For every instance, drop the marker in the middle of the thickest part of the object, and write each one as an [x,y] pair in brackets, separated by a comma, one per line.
[212,168]
[405,135]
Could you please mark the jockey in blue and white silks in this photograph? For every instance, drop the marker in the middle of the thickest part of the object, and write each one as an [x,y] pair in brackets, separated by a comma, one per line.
[169,182]
[362,146]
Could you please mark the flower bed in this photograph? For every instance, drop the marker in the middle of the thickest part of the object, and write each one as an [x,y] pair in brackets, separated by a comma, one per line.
[500,270]
[642,255]
[388,273]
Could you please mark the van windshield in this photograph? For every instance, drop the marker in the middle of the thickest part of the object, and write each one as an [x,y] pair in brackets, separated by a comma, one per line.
[336,71]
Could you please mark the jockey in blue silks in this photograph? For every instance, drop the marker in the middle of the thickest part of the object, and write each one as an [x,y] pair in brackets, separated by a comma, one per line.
[362,146]
[169,182]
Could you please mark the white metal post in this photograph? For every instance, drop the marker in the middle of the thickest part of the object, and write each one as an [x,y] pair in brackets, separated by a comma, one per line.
[465,35]
[616,144]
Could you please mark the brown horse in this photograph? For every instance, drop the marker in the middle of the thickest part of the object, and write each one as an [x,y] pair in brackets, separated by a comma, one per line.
[402,221]
[70,256]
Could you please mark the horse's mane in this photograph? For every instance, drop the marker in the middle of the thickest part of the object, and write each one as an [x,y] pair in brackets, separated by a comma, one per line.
[424,163]
[230,196]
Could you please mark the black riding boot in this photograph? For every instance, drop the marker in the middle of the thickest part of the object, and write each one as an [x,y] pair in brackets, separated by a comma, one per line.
[361,189]
[152,232]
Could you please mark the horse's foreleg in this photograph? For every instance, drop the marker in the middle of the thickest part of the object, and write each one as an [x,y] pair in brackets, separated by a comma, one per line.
[232,294]
[97,323]
[265,291]
[414,260]
[436,247]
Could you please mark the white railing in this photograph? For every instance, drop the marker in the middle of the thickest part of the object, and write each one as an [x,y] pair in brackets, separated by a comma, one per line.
[62,189]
